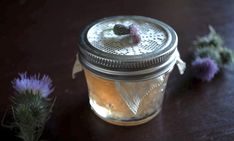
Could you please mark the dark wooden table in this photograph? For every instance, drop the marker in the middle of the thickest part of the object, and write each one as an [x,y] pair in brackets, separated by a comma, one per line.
[40,36]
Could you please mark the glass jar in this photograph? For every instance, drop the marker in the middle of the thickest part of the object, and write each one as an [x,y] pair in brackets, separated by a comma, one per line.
[126,78]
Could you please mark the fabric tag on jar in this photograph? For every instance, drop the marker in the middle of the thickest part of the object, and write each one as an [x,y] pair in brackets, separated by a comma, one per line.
[76,67]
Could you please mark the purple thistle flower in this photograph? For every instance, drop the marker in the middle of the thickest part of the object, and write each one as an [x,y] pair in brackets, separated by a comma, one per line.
[134,34]
[204,68]
[33,84]
[133,29]
[135,38]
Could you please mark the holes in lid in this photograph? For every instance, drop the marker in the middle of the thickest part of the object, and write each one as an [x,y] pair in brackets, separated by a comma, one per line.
[152,38]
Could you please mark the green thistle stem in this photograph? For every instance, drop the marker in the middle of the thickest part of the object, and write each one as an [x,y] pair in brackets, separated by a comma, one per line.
[212,46]
[3,121]
[31,108]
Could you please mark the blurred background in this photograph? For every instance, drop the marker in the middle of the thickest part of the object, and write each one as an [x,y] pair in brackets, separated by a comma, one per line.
[41,36]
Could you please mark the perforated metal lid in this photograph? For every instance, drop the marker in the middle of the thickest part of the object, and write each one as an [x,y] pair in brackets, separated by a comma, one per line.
[104,52]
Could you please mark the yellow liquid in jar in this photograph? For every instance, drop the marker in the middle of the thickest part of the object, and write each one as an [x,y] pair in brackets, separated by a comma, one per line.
[110,104]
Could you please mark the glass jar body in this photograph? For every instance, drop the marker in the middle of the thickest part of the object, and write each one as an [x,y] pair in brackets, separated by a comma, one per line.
[126,102]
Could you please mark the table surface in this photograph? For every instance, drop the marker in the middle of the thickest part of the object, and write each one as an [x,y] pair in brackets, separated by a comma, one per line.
[41,36]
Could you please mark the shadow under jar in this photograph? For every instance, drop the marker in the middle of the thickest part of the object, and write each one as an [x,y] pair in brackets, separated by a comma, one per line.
[126,77]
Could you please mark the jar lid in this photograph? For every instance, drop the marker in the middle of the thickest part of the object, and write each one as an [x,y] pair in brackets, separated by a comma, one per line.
[103,51]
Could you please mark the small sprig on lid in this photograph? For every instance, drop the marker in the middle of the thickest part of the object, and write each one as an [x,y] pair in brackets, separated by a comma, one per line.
[120,29]
[131,30]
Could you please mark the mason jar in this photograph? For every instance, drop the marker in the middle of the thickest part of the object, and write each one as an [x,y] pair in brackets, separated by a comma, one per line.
[127,61]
